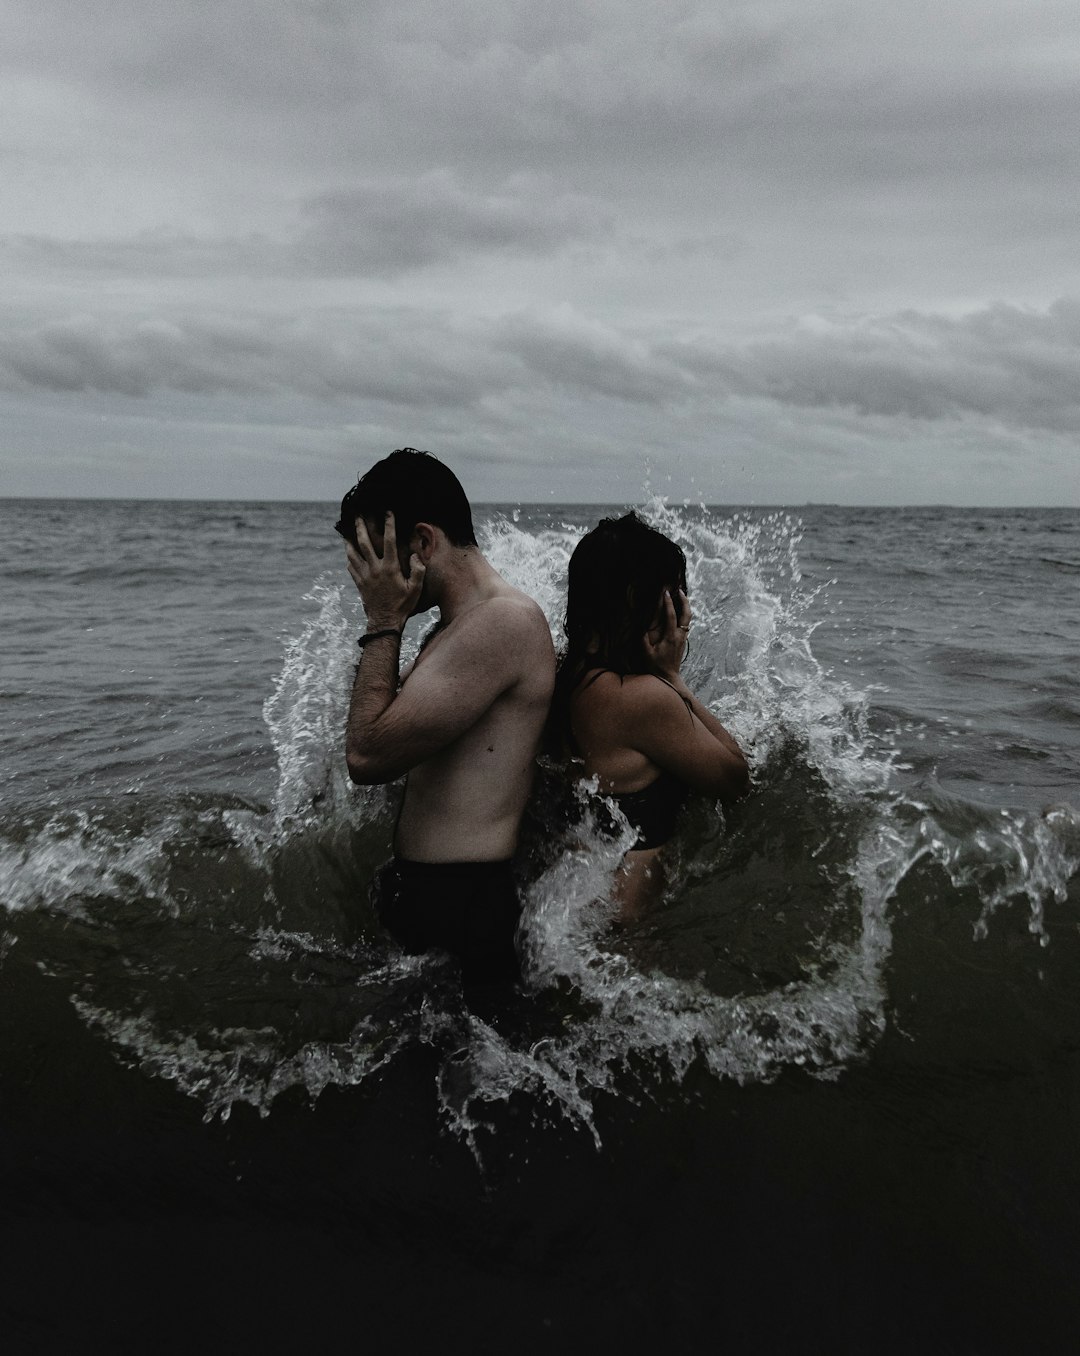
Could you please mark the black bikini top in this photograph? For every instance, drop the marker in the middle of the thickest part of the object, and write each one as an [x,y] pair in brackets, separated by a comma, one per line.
[654,809]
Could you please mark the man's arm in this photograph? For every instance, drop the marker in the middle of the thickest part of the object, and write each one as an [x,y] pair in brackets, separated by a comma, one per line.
[474,661]
[388,599]
[374,689]
[447,693]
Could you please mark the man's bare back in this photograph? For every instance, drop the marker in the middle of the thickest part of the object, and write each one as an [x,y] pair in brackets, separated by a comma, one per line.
[465,801]
[465,725]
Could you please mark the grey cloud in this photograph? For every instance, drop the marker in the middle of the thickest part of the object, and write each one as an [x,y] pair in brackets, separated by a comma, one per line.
[152,254]
[571,352]
[406,357]
[83,354]
[851,91]
[379,227]
[1016,366]
[589,51]
[864,163]
[399,223]
[394,359]
[1003,365]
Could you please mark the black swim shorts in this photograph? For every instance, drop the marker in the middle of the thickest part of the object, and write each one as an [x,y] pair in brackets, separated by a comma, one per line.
[469,909]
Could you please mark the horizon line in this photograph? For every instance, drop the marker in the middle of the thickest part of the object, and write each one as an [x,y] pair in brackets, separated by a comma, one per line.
[683,500]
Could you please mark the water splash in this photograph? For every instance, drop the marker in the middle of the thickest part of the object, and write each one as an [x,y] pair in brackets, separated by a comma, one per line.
[1017,857]
[305,717]
[74,861]
[617,1010]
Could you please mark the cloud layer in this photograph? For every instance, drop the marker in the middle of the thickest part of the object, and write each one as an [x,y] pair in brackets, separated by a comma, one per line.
[604,230]
[1017,368]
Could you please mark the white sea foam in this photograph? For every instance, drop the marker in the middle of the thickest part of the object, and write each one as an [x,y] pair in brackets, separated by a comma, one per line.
[305,716]
[1023,857]
[74,860]
[238,1065]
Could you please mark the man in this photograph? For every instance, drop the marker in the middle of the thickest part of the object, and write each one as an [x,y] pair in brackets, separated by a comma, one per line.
[465,723]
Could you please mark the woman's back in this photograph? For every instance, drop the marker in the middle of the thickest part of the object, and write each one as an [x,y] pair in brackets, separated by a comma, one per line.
[621,703]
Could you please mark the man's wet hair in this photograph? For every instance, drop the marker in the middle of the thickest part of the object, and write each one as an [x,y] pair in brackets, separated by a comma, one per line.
[417,488]
[616,577]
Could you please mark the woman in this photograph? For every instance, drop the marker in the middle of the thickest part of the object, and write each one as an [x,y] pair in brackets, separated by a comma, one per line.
[620,702]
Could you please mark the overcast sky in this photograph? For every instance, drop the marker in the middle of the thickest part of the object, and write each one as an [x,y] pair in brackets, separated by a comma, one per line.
[746,251]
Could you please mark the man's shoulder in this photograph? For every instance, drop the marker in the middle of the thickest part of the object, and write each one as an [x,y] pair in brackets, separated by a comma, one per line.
[512,613]
[514,625]
[509,626]
[517,608]
[501,643]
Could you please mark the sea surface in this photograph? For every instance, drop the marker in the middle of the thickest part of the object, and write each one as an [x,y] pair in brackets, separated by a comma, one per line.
[825,1099]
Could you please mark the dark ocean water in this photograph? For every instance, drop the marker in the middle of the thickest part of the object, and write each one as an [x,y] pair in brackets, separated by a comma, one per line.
[826,1099]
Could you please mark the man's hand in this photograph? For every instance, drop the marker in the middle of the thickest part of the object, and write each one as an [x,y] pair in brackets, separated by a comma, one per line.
[665,641]
[388,596]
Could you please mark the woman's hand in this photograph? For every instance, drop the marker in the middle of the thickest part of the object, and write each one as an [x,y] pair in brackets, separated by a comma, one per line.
[665,641]
[388,595]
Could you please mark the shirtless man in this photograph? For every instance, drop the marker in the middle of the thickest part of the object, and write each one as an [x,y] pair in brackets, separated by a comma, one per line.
[463,726]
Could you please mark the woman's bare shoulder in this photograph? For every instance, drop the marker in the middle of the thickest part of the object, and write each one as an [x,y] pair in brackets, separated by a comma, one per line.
[602,695]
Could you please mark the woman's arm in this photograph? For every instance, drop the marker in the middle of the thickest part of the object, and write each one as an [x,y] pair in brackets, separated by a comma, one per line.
[711,723]
[665,645]
[672,735]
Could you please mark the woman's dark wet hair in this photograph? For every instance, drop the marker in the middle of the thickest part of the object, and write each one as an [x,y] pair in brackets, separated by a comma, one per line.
[617,575]
[418,488]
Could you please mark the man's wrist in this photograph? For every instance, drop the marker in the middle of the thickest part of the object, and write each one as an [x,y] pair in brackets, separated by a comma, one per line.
[386,633]
[387,621]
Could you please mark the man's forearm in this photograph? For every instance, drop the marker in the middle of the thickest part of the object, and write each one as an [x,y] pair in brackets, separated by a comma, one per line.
[374,688]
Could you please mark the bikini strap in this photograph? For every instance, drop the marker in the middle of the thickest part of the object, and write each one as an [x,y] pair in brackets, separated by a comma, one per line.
[685,700]
[598,671]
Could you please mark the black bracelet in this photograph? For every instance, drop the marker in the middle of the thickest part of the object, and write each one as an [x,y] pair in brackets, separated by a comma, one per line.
[378,635]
